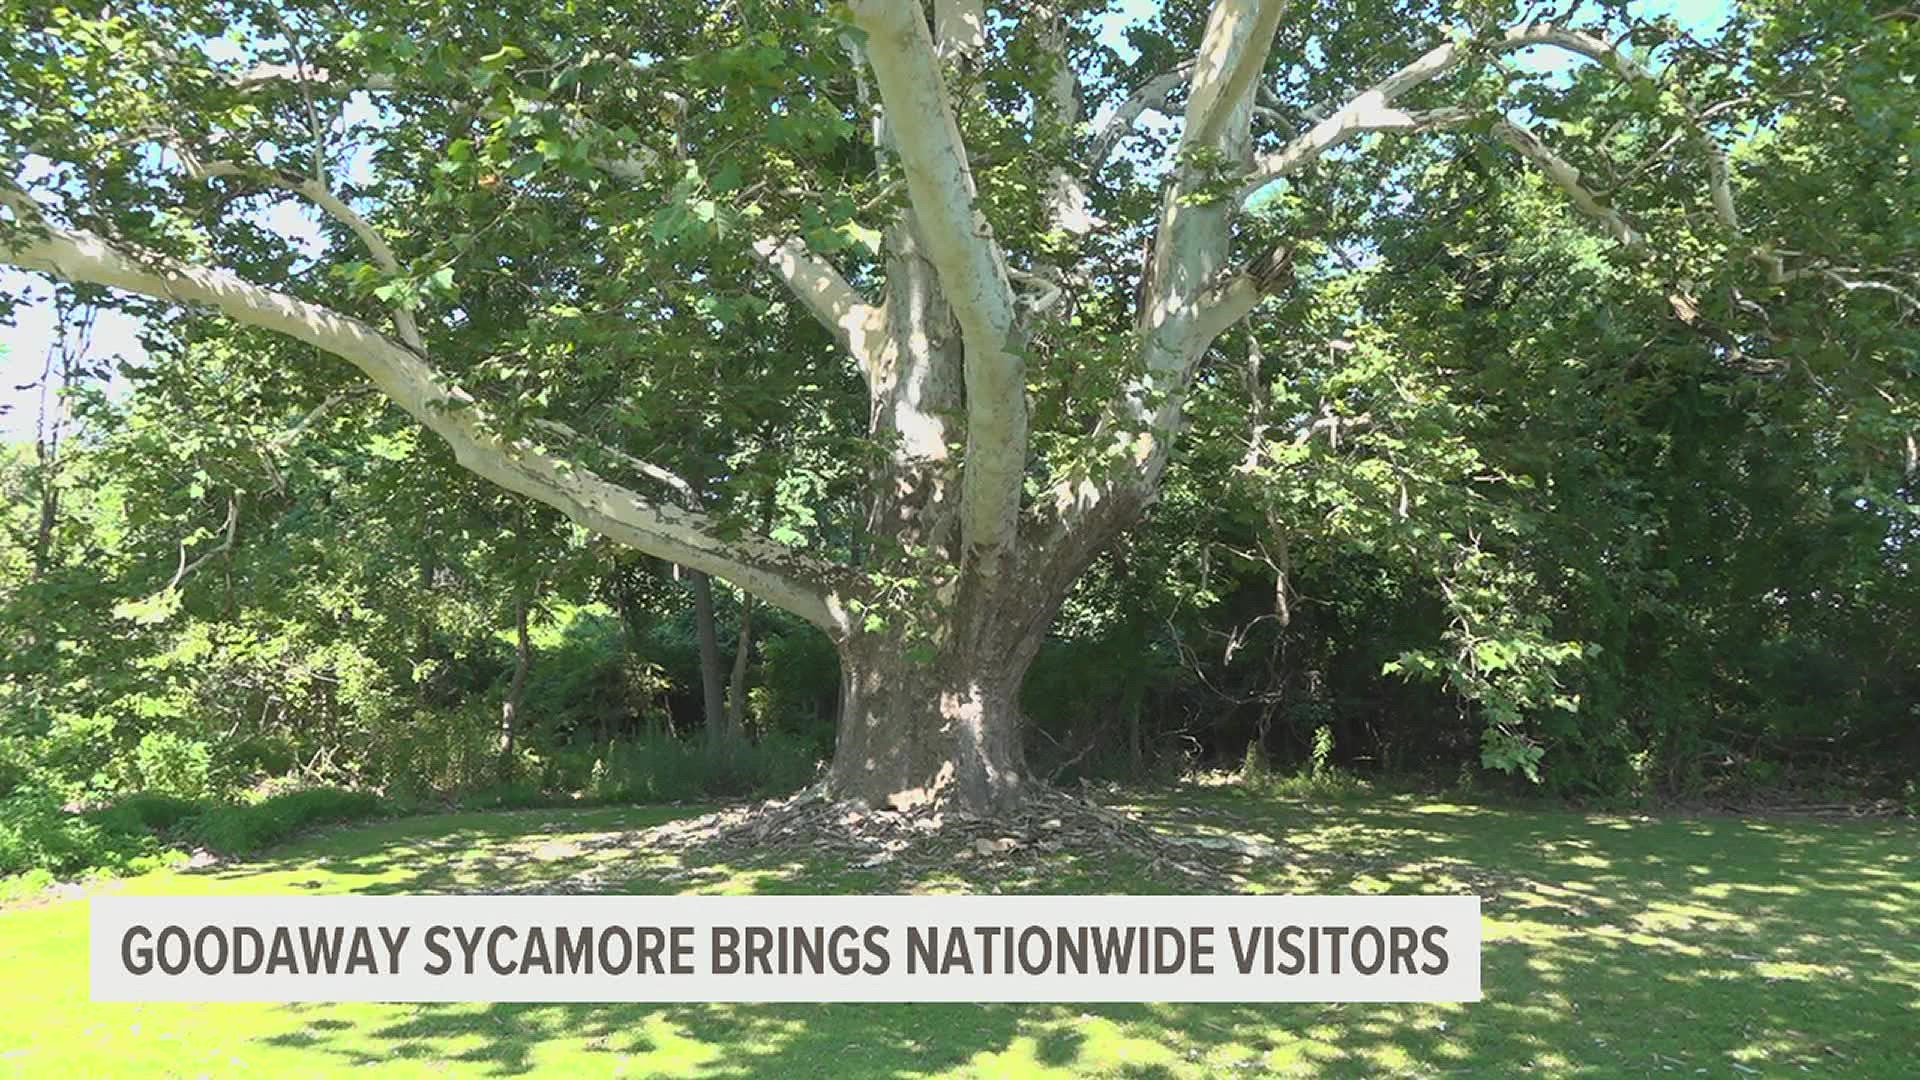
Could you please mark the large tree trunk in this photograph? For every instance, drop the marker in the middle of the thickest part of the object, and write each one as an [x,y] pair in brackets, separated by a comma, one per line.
[917,732]
[940,724]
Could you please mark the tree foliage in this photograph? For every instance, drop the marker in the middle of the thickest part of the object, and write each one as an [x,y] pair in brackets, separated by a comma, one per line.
[1553,418]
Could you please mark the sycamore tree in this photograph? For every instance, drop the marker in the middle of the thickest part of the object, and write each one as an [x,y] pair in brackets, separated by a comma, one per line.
[937,279]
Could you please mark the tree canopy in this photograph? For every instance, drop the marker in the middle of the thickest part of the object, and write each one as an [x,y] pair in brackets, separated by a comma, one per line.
[1340,340]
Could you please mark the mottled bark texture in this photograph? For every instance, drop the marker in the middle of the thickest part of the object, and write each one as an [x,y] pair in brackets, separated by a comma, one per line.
[933,719]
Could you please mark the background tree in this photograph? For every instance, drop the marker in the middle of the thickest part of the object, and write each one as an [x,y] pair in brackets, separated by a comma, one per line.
[561,213]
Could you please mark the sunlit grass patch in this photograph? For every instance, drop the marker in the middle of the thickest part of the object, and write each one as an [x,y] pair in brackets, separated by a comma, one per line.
[1614,947]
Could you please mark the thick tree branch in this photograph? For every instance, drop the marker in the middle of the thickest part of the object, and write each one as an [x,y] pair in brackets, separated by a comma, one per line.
[960,244]
[1191,245]
[1232,52]
[1445,58]
[1235,299]
[1152,94]
[1847,278]
[264,74]
[1629,70]
[1067,202]
[960,26]
[1180,306]
[1367,113]
[789,579]
[320,195]
[1567,178]
[1188,304]
[858,326]
[383,257]
[683,491]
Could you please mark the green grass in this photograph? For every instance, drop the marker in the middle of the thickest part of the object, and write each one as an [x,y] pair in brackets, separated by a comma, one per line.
[1614,947]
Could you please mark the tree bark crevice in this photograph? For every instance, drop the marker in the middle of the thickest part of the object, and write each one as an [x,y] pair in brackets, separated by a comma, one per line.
[919,733]
[930,719]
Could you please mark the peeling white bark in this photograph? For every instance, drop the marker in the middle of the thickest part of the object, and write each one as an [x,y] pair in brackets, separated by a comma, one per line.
[1367,113]
[1232,52]
[779,575]
[972,271]
[323,197]
[960,26]
[1067,201]
[683,491]
[1442,59]
[1152,94]
[1629,70]
[1567,178]
[858,327]
[1182,307]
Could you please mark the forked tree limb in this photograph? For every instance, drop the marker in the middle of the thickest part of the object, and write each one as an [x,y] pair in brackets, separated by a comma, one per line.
[1152,94]
[857,327]
[1567,178]
[972,270]
[1444,58]
[809,588]
[318,193]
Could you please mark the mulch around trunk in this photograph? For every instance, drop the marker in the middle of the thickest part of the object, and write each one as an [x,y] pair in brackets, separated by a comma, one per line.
[1049,826]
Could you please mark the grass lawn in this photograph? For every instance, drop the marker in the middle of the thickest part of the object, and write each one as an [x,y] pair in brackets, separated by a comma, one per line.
[1614,947]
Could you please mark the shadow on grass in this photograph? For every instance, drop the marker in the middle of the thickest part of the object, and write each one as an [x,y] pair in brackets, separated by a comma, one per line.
[1615,946]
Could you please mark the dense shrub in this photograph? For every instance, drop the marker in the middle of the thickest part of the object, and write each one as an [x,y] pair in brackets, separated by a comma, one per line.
[419,752]
[169,763]
[38,833]
[578,684]
[241,829]
[149,811]
[1090,700]
[140,831]
[798,682]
